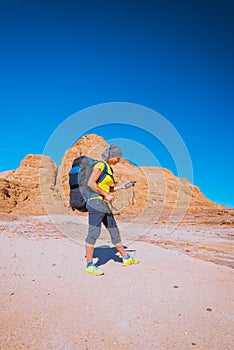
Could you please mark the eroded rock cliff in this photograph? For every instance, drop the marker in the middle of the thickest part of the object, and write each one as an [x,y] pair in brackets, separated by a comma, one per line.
[39,186]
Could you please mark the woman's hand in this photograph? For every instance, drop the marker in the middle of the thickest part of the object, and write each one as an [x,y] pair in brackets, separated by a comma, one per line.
[125,186]
[109,197]
[129,184]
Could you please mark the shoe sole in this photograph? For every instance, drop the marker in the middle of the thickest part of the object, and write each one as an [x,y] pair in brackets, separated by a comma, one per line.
[95,274]
[135,263]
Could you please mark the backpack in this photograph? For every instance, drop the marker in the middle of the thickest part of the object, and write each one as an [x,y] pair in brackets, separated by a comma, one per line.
[79,174]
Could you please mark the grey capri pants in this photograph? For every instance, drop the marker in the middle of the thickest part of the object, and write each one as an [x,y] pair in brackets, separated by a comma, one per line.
[100,212]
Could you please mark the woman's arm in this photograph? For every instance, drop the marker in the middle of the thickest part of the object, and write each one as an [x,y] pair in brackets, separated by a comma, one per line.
[124,186]
[117,188]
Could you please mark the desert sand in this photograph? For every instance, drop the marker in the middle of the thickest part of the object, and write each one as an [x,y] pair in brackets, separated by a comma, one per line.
[180,296]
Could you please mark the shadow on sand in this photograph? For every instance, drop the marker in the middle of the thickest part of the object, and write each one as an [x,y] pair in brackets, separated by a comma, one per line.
[105,253]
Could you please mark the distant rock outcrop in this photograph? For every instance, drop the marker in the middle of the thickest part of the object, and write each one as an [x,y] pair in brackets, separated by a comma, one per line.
[21,188]
[39,186]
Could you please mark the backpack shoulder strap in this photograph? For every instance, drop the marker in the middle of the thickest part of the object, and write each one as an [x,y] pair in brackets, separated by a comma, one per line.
[105,172]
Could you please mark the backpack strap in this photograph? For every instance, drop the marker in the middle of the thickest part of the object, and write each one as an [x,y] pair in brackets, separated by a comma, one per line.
[91,194]
[105,172]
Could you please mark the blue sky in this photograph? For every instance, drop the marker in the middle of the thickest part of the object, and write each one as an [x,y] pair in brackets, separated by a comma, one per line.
[175,57]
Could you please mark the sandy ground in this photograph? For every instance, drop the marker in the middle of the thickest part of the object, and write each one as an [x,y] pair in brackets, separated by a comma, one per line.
[179,297]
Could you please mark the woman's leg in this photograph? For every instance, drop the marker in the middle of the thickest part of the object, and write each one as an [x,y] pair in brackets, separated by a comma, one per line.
[121,250]
[112,227]
[89,252]
[95,220]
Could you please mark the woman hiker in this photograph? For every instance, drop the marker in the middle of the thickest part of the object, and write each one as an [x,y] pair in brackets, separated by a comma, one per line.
[100,211]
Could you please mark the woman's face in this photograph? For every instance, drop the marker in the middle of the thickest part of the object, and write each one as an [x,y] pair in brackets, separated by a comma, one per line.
[114,160]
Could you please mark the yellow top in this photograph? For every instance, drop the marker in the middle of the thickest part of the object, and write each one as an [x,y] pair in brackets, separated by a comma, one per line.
[108,180]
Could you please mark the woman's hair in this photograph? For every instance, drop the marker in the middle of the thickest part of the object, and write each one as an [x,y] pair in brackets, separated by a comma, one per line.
[111,152]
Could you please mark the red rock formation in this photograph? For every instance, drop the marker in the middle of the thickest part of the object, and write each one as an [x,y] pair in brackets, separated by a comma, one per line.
[20,190]
[11,193]
[38,185]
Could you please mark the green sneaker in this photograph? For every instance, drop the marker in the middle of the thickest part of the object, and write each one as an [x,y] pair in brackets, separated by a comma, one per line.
[130,261]
[93,270]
